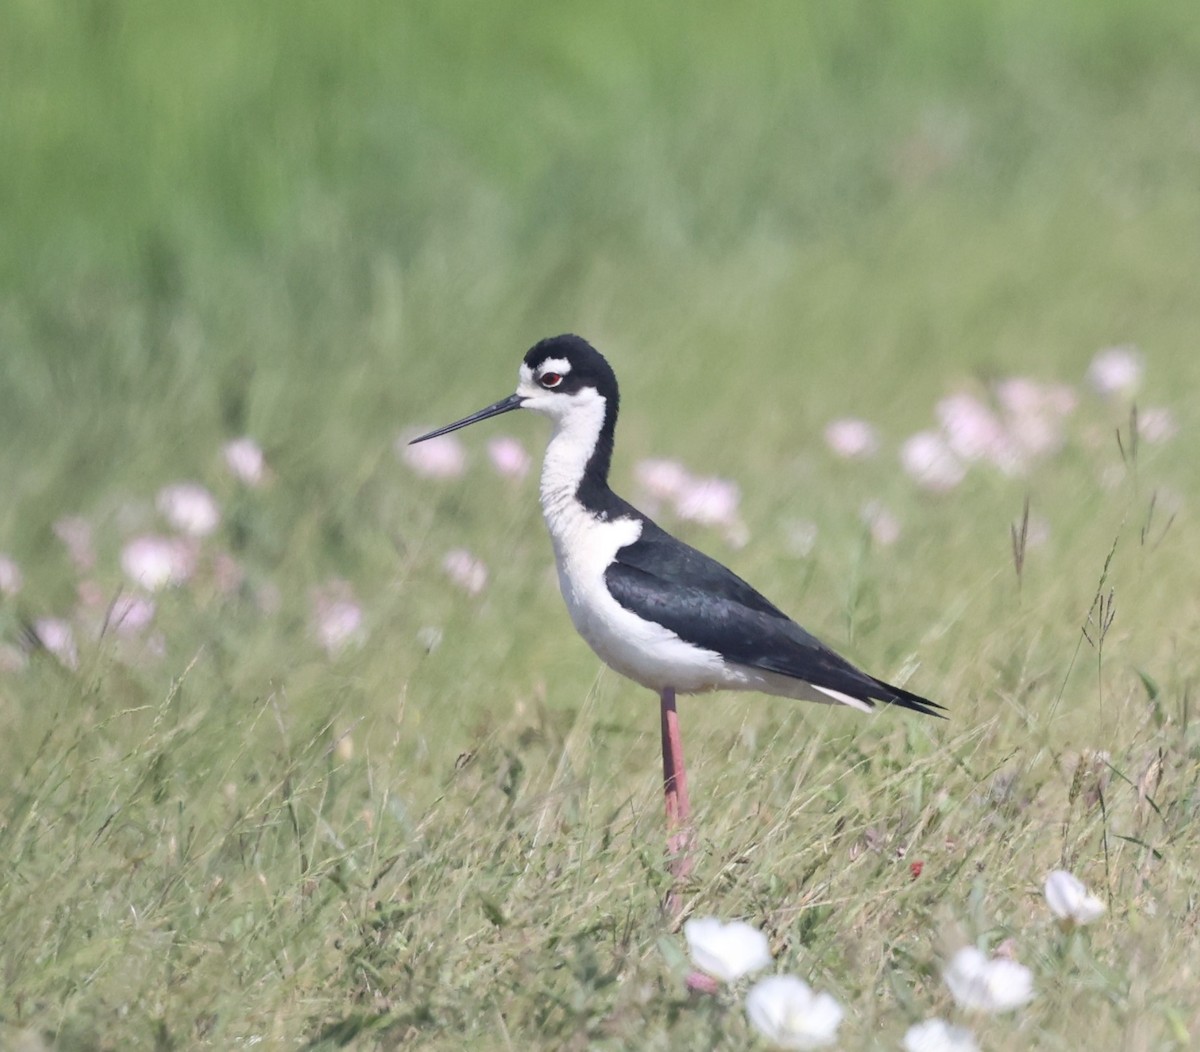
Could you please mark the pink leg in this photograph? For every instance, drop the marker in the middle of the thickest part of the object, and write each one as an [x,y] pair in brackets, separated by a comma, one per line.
[679,811]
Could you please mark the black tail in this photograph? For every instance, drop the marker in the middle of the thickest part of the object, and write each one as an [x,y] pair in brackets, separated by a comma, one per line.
[906,699]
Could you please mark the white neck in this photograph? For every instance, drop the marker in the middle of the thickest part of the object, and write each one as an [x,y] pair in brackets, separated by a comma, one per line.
[576,433]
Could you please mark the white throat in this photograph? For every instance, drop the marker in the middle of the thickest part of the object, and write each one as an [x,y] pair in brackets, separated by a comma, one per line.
[576,433]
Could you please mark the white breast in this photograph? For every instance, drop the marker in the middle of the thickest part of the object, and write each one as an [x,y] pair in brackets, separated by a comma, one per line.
[584,546]
[644,651]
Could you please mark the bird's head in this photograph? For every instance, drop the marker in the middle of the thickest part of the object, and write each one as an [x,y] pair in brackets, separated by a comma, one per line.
[561,377]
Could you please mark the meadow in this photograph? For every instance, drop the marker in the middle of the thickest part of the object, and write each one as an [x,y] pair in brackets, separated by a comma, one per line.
[311,757]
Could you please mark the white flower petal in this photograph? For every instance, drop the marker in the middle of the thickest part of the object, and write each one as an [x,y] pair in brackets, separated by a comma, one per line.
[936,1035]
[989,985]
[726,951]
[1070,900]
[788,1014]
[1116,370]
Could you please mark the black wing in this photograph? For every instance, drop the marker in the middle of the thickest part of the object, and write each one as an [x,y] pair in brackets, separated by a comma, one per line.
[672,563]
[706,604]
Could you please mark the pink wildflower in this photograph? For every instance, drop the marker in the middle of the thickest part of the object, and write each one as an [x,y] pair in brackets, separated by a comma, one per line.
[851,438]
[711,501]
[58,638]
[337,619]
[508,457]
[661,479]
[245,460]
[155,562]
[972,430]
[930,462]
[131,613]
[189,508]
[438,458]
[465,570]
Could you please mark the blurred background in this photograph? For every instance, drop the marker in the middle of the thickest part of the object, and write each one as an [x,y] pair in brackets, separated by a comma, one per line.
[321,227]
[324,226]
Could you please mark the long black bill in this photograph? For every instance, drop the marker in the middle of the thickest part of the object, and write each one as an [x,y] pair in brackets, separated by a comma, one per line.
[505,405]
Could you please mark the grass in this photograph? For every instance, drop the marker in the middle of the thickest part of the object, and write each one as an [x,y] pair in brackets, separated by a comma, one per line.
[323,225]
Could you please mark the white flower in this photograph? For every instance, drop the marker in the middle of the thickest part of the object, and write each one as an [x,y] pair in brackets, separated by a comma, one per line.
[1116,370]
[1069,900]
[990,985]
[10,576]
[787,1013]
[508,457]
[245,460]
[726,951]
[190,508]
[930,462]
[936,1035]
[339,622]
[851,438]
[466,571]
[437,458]
[56,636]
[155,562]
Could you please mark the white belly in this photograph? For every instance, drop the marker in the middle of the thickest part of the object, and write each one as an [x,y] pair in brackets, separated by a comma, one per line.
[642,650]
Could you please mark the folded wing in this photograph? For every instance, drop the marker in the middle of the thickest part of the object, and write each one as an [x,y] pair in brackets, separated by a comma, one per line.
[708,605]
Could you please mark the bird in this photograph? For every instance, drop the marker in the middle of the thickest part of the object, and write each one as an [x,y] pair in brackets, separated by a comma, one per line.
[652,607]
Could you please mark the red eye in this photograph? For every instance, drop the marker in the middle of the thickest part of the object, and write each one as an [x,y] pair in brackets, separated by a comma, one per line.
[550,379]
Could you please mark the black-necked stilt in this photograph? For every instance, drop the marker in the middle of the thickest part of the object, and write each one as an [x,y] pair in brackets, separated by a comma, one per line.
[653,608]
